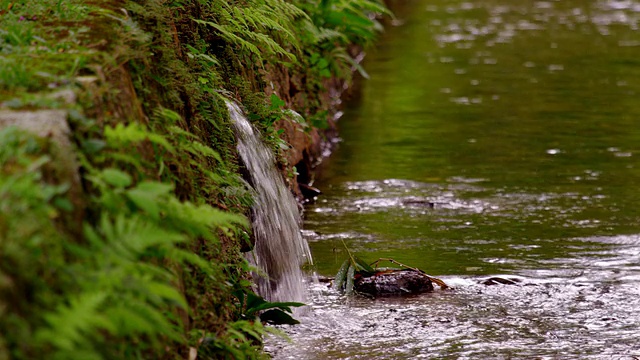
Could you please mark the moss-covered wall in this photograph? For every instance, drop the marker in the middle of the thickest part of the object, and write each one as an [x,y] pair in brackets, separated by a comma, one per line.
[124,242]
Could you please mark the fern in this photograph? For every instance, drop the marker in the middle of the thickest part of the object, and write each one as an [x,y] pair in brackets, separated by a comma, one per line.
[352,17]
[69,324]
[134,132]
[259,29]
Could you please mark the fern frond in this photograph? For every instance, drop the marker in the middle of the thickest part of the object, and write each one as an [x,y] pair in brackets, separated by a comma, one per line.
[134,132]
[68,324]
[259,28]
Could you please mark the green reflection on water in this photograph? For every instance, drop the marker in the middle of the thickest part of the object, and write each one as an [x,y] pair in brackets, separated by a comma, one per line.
[532,110]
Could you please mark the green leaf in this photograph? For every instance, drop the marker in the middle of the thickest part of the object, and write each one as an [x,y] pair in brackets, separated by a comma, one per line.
[92,146]
[63,203]
[323,63]
[254,301]
[116,178]
[351,273]
[285,306]
[145,201]
[155,188]
[341,276]
[276,102]
[167,292]
[68,324]
[278,317]
[147,196]
[363,267]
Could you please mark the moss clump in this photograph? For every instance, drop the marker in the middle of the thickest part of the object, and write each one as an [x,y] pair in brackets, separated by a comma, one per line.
[151,266]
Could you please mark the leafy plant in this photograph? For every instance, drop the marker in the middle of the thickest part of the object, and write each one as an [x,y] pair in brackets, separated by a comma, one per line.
[119,284]
[257,28]
[253,306]
[352,18]
[345,277]
[242,338]
[334,26]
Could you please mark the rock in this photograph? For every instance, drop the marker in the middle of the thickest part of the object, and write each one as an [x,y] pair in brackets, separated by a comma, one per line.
[394,283]
[413,201]
[43,123]
[498,280]
[66,96]
[309,192]
[52,125]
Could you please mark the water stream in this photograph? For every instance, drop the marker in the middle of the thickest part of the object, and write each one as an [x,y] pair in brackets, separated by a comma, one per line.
[518,121]
[279,250]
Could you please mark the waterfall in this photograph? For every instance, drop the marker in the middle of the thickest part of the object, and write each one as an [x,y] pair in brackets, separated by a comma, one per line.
[280,249]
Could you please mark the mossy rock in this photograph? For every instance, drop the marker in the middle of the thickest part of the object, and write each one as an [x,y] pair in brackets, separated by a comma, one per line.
[52,126]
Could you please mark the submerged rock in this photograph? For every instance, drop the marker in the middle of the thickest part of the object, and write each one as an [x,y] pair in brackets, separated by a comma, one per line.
[308,191]
[500,281]
[394,283]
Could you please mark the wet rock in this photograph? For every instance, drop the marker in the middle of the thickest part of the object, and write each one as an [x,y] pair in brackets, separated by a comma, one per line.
[500,281]
[309,192]
[394,283]
[413,201]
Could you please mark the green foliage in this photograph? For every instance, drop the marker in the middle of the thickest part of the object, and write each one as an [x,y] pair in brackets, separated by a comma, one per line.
[335,25]
[45,44]
[156,266]
[352,18]
[242,338]
[253,306]
[344,280]
[258,28]
[31,249]
[74,300]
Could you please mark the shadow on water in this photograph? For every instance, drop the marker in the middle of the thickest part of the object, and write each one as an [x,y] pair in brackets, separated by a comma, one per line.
[493,138]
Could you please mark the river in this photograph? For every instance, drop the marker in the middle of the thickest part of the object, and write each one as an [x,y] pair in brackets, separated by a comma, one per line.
[518,122]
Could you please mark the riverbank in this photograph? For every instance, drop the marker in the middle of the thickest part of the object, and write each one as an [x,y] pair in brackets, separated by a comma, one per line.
[123,208]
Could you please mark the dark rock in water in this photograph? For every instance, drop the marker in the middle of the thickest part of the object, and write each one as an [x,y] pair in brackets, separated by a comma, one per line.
[309,192]
[394,283]
[498,280]
[413,201]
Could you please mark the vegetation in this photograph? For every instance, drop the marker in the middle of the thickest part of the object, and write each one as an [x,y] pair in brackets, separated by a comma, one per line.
[145,262]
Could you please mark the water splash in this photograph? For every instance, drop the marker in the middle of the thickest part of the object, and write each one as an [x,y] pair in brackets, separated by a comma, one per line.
[280,249]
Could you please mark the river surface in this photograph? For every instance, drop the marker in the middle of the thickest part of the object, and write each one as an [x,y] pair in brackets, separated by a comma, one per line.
[519,122]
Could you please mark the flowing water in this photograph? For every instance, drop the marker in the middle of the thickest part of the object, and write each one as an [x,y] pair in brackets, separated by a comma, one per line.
[494,138]
[279,250]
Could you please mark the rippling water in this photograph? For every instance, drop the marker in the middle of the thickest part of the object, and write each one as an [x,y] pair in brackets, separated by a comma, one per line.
[494,138]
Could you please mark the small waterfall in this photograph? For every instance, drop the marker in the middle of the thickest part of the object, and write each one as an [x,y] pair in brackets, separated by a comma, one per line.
[280,249]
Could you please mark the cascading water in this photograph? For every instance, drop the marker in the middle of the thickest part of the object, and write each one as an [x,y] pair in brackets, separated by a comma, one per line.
[280,249]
